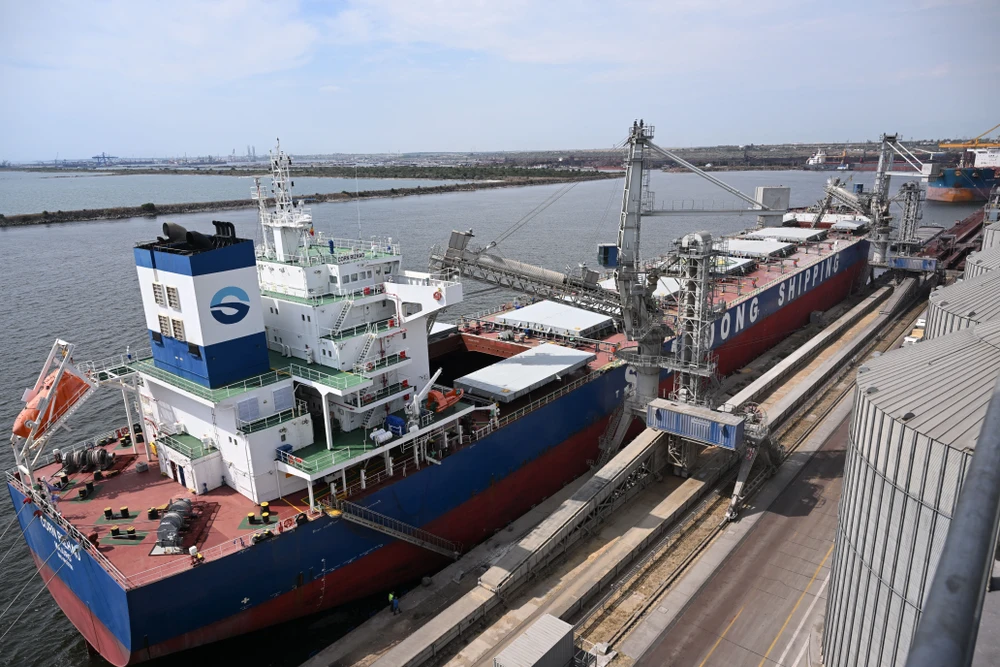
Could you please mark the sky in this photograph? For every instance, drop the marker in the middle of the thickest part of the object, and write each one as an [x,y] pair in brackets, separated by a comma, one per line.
[140,78]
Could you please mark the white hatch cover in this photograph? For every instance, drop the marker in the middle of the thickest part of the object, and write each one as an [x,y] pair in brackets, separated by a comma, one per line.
[556,318]
[754,248]
[790,234]
[514,377]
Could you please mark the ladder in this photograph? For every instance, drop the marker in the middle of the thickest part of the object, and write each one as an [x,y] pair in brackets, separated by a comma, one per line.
[370,417]
[372,336]
[343,315]
[395,528]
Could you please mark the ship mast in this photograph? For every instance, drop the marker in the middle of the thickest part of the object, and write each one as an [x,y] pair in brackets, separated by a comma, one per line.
[287,229]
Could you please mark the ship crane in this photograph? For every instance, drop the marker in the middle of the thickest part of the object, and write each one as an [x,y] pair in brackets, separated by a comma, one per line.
[633,305]
[875,204]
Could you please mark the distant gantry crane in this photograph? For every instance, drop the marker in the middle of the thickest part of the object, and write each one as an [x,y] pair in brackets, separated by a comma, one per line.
[103,160]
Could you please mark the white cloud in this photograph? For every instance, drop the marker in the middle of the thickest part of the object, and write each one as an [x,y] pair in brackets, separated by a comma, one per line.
[330,89]
[137,43]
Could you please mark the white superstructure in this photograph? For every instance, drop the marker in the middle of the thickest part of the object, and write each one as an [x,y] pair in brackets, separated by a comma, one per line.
[298,376]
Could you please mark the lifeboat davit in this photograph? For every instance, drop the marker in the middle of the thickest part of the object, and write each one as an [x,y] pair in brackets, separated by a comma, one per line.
[71,388]
[439,401]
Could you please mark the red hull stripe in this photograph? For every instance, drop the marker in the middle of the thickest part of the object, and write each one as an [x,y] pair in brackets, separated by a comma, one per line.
[79,614]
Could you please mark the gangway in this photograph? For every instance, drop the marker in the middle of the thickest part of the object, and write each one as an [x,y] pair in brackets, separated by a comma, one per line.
[369,518]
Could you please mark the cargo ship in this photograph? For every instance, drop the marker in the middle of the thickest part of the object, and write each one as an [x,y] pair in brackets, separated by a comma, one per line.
[301,432]
[971,181]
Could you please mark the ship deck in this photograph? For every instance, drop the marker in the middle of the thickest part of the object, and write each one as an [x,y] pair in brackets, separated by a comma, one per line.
[482,333]
[220,515]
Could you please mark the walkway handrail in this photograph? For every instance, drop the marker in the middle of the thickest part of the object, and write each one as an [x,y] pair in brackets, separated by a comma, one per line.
[949,625]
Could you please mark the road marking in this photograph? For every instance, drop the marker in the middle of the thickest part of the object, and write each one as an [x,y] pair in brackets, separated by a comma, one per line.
[797,603]
[795,634]
[798,658]
[719,640]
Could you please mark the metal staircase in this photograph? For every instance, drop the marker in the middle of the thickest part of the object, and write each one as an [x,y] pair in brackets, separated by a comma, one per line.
[397,529]
[370,417]
[621,419]
[343,314]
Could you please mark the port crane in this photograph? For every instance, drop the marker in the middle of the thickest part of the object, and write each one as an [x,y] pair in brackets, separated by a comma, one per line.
[876,203]
[632,305]
[975,142]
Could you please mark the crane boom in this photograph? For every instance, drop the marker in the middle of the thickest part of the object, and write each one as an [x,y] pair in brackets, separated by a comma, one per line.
[581,291]
[975,143]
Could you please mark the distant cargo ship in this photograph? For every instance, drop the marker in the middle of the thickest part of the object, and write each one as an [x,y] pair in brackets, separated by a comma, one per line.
[970,182]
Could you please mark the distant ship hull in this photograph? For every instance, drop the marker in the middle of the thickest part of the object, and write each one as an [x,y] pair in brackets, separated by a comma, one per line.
[966,184]
[478,489]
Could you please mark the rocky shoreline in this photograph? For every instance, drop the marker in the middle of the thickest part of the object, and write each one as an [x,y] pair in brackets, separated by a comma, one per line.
[120,213]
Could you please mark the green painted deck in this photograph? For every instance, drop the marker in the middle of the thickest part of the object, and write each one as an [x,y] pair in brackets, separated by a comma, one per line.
[380,327]
[319,253]
[186,444]
[346,446]
[331,377]
[215,395]
[323,299]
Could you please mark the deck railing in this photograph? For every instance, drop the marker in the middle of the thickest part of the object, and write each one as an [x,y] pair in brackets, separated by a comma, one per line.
[368,327]
[338,379]
[534,405]
[262,380]
[278,291]
[71,530]
[321,462]
[184,448]
[270,421]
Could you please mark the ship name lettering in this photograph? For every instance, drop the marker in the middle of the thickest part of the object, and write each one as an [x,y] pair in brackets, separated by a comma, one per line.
[792,285]
[816,273]
[741,317]
[836,262]
[754,310]
[781,294]
[806,280]
[724,326]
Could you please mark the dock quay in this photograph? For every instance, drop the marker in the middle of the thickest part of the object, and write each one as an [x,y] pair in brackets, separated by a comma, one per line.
[573,556]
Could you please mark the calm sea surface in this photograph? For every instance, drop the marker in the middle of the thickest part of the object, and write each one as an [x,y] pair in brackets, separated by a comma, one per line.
[34,192]
[78,281]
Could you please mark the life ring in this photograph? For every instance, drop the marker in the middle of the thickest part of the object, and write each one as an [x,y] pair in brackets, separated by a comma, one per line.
[438,296]
[288,523]
[370,366]
[278,527]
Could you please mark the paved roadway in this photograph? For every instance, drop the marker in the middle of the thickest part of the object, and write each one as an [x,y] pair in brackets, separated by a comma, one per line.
[762,605]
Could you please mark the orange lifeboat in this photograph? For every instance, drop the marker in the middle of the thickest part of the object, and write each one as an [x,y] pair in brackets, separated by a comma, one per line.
[439,401]
[70,389]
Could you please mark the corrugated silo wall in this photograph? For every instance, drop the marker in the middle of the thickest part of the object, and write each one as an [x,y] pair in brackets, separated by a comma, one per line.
[900,489]
[972,269]
[940,321]
[991,236]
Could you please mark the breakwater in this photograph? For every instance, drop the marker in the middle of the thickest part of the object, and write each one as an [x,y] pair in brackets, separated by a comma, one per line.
[153,209]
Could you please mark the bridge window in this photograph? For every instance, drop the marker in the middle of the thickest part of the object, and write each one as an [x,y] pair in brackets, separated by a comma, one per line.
[178,327]
[164,325]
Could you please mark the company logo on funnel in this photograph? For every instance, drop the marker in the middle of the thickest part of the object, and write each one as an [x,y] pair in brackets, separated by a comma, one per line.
[233,310]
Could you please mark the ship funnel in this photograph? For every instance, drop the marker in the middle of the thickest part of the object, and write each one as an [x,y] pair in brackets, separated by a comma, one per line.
[224,229]
[174,233]
[199,241]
